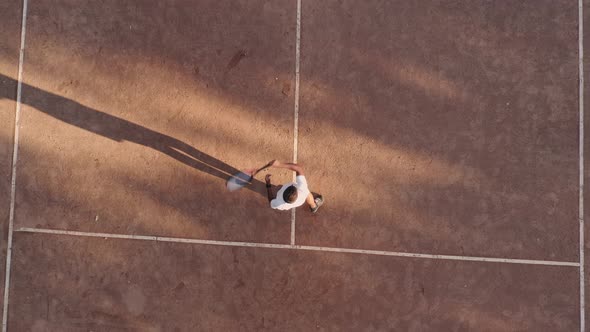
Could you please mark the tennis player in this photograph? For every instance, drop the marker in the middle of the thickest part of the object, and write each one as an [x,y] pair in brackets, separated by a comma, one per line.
[292,195]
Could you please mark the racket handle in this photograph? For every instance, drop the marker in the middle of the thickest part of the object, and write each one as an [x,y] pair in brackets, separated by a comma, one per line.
[262,168]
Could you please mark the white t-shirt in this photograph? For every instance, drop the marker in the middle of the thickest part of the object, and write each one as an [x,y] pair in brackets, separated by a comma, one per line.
[302,193]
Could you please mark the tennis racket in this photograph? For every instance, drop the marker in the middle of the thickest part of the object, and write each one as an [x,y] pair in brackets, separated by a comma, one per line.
[244,178]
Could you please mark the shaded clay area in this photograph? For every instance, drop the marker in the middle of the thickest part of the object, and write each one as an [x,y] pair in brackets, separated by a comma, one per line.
[118,285]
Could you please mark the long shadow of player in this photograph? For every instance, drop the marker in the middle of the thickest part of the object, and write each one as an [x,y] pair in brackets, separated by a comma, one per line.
[117,129]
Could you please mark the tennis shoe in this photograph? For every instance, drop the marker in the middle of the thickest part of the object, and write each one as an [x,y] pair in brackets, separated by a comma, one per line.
[319,201]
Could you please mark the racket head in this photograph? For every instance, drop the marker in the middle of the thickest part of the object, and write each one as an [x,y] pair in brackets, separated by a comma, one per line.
[239,180]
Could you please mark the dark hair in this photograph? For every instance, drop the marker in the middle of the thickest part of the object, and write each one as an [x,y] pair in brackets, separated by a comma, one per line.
[290,194]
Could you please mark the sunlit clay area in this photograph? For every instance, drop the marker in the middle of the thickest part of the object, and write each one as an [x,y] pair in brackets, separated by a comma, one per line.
[294,165]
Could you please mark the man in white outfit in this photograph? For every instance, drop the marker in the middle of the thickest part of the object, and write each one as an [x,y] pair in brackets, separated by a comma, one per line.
[292,195]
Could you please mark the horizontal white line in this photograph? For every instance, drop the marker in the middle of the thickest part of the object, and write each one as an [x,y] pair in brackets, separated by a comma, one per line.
[443,257]
[298,247]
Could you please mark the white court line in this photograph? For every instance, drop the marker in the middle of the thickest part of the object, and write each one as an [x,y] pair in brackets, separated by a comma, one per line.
[296,107]
[298,247]
[21,58]
[297,61]
[581,160]
[292,226]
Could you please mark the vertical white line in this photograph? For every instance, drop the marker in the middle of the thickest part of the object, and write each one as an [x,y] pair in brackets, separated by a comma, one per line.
[14,162]
[297,61]
[296,107]
[292,227]
[581,160]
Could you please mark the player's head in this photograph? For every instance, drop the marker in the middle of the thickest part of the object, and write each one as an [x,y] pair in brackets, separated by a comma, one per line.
[290,194]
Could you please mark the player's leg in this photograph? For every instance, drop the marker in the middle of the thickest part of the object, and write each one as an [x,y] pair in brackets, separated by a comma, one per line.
[310,201]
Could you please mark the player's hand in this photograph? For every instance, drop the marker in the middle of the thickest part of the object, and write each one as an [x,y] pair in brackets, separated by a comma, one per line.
[267,178]
[274,163]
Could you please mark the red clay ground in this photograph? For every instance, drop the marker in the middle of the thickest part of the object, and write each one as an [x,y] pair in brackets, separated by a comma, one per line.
[113,285]
[10,16]
[133,122]
[447,129]
[453,126]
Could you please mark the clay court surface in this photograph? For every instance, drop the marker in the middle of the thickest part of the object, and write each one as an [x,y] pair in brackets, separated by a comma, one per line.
[444,136]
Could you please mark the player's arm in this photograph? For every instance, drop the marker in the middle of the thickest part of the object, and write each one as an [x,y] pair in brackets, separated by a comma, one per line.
[294,167]
[269,192]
